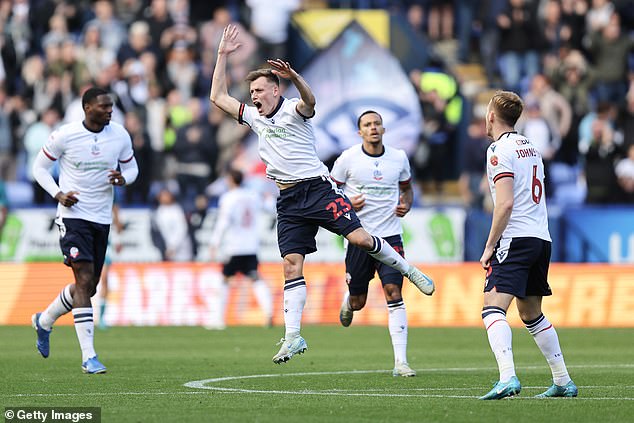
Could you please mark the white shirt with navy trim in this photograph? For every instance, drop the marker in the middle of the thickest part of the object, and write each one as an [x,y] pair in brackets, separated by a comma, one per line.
[286,142]
[85,157]
[513,156]
[379,179]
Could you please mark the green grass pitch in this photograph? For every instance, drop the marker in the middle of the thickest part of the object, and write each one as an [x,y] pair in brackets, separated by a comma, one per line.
[188,374]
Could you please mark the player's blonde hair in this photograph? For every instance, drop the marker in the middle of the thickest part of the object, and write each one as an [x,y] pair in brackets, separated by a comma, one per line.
[507,106]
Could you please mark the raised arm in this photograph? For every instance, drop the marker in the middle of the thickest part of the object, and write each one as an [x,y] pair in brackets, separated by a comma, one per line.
[219,94]
[306,105]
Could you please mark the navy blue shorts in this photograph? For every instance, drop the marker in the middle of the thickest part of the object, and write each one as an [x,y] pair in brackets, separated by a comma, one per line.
[247,265]
[303,208]
[360,267]
[81,240]
[520,267]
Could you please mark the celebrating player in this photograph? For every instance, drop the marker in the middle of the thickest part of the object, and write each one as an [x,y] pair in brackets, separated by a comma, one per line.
[308,198]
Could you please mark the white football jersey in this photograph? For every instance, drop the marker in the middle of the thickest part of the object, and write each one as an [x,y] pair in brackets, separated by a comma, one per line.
[378,178]
[85,157]
[286,142]
[512,155]
[236,229]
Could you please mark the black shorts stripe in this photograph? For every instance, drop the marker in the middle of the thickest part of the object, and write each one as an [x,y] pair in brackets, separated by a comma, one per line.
[294,285]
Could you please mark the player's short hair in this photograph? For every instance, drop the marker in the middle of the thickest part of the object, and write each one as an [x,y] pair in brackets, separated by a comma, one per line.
[367,112]
[508,106]
[264,72]
[236,176]
[91,94]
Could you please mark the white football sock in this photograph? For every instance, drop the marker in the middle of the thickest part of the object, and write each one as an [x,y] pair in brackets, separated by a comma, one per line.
[294,301]
[500,340]
[397,324]
[61,305]
[85,328]
[383,252]
[546,338]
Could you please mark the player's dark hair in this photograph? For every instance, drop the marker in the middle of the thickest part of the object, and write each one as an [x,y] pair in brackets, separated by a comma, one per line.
[236,176]
[508,106]
[367,112]
[91,94]
[264,72]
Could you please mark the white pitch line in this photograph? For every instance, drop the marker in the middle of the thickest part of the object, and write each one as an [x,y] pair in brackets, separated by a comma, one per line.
[205,390]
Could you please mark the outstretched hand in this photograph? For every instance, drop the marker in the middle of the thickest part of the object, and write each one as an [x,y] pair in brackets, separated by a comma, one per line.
[228,42]
[282,69]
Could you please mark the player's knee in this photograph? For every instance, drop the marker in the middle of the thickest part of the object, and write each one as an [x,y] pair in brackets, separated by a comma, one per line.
[361,238]
[292,266]
[357,302]
[392,292]
[528,315]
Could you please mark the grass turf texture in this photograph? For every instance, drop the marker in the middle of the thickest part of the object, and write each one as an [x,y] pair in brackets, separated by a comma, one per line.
[148,368]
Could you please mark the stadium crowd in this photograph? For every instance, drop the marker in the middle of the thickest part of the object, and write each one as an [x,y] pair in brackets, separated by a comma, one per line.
[571,60]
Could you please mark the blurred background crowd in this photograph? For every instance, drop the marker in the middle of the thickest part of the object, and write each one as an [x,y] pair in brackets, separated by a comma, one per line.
[571,60]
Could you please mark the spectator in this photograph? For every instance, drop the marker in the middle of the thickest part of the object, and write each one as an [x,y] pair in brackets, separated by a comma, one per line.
[553,105]
[137,193]
[490,36]
[158,19]
[95,56]
[609,50]
[111,30]
[474,165]
[269,23]
[600,161]
[138,42]
[196,154]
[181,69]
[171,224]
[574,82]
[34,139]
[573,16]
[519,57]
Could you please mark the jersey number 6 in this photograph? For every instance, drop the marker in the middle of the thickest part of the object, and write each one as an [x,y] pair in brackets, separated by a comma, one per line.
[537,187]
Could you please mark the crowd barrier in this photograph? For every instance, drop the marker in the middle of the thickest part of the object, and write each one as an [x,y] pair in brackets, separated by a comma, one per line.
[588,295]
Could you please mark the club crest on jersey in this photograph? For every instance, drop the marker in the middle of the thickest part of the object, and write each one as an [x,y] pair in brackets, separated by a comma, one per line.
[377,175]
[494,160]
[74,252]
[94,150]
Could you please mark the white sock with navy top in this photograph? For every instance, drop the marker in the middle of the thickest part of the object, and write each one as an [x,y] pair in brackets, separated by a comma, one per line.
[61,305]
[294,301]
[500,340]
[85,328]
[546,338]
[397,325]
[383,252]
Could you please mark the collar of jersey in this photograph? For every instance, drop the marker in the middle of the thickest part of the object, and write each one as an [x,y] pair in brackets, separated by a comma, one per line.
[277,108]
[90,130]
[373,155]
[507,133]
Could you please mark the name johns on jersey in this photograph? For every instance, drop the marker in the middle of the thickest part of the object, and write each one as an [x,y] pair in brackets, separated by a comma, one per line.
[526,152]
